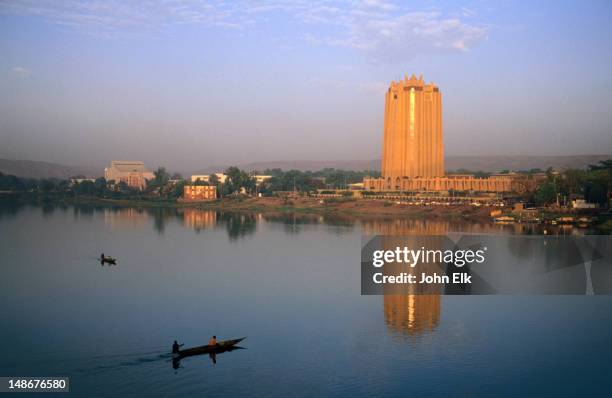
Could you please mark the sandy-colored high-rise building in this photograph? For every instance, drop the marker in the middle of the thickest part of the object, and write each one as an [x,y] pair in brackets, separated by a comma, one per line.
[413,147]
[412,143]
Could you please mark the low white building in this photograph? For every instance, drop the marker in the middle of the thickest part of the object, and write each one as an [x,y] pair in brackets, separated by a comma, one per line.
[81,180]
[261,178]
[201,177]
[583,204]
[206,177]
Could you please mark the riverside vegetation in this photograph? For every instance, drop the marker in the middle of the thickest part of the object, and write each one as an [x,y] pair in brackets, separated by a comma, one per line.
[240,192]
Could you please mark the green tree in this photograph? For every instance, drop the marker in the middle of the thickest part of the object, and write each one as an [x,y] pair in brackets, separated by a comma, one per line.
[572,182]
[223,190]
[599,182]
[213,179]
[595,191]
[11,183]
[248,182]
[237,180]
[273,172]
[63,186]
[176,191]
[603,165]
[86,188]
[233,180]
[546,194]
[47,185]
[161,177]
[481,174]
[100,185]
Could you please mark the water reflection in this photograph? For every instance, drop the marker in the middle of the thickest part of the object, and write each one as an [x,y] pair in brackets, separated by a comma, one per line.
[176,360]
[295,223]
[412,314]
[244,223]
[116,321]
[238,225]
[85,211]
[426,226]
[405,309]
[129,217]
[161,217]
[9,208]
[412,309]
[199,220]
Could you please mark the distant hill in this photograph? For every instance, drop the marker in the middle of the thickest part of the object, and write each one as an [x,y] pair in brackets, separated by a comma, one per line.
[33,169]
[473,163]
[304,165]
[499,163]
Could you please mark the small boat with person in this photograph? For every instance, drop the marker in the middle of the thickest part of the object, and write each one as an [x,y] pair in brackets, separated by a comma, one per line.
[221,346]
[107,260]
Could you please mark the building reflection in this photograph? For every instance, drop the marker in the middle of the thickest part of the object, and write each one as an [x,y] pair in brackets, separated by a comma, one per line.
[422,226]
[412,314]
[199,219]
[425,226]
[238,225]
[125,218]
[413,310]
[405,227]
[410,309]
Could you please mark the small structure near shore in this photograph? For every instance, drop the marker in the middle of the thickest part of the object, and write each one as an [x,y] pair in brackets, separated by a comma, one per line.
[583,204]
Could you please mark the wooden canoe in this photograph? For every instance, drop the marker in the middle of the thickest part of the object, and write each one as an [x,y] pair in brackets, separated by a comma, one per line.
[222,346]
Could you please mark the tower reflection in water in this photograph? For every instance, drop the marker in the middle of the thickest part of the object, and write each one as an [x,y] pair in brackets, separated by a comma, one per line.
[410,309]
[412,314]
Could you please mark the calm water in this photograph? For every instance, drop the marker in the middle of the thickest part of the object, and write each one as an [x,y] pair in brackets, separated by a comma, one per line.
[292,285]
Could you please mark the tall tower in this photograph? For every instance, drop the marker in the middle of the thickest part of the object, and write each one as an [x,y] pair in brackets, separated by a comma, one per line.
[412,143]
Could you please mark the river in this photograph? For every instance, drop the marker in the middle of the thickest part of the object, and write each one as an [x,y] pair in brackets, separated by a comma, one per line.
[291,284]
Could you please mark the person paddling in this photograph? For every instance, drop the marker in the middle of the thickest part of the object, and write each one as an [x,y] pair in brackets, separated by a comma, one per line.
[212,341]
[176,346]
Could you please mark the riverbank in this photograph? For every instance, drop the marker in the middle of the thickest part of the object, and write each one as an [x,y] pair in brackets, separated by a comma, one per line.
[349,207]
[342,207]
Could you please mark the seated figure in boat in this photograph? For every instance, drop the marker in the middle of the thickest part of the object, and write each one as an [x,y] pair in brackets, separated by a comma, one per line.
[212,341]
[176,346]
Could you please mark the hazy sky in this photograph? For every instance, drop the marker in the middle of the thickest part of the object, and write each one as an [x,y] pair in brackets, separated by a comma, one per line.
[189,84]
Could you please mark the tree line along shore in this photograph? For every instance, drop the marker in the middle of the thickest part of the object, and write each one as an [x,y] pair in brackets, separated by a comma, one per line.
[295,190]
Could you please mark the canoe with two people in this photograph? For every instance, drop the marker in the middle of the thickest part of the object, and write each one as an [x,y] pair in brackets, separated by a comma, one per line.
[213,346]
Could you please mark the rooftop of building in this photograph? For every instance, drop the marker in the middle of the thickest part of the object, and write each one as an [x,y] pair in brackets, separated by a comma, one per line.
[412,82]
[129,165]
